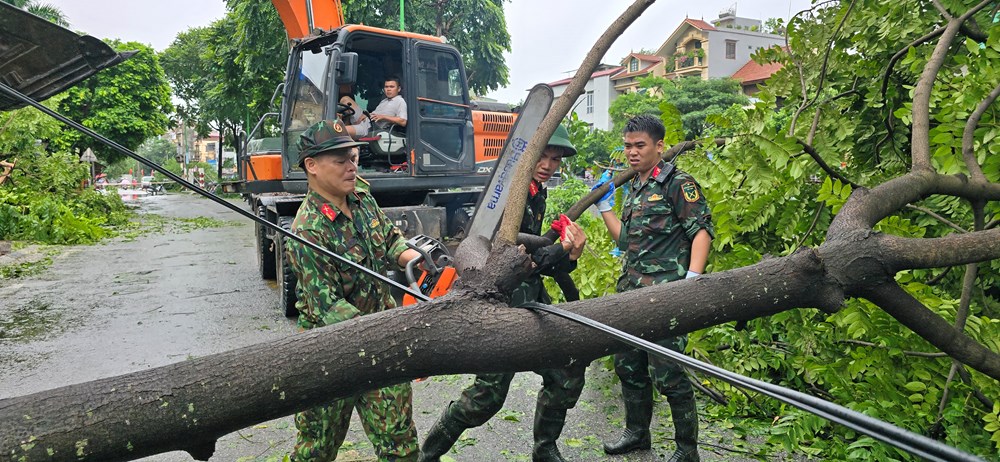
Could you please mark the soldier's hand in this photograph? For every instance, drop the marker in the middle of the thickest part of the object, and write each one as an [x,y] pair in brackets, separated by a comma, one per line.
[578,240]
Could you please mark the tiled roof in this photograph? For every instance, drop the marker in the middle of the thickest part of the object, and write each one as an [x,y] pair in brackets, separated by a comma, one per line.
[751,72]
[642,71]
[612,71]
[699,24]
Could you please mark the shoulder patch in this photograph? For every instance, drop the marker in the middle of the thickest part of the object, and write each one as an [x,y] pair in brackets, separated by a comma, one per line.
[690,191]
[328,211]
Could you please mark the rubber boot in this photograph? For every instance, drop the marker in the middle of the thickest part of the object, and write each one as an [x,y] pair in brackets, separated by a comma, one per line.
[548,426]
[441,437]
[685,416]
[638,414]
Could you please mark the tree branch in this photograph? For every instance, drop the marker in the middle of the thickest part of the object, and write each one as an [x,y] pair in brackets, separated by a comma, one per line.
[823,165]
[903,253]
[919,354]
[822,71]
[969,135]
[911,313]
[937,217]
[514,209]
[920,140]
[941,9]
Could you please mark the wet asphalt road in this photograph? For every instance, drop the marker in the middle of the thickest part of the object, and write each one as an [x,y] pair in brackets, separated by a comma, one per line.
[188,291]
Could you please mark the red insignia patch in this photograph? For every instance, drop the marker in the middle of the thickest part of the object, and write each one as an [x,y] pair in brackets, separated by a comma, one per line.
[328,211]
[533,189]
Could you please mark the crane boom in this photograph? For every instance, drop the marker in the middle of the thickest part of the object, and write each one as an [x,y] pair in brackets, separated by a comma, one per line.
[302,17]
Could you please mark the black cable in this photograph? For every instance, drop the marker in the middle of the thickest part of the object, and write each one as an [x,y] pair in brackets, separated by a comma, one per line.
[218,200]
[906,440]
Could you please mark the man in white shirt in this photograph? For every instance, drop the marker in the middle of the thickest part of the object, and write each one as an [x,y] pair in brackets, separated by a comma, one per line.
[390,111]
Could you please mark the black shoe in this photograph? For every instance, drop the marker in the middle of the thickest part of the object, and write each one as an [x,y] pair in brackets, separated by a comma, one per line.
[547,454]
[631,440]
[547,427]
[684,456]
[440,438]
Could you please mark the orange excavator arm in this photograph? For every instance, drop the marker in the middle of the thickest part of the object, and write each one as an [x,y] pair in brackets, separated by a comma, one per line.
[301,17]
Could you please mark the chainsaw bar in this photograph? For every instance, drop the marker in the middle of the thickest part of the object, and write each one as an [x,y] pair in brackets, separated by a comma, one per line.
[489,209]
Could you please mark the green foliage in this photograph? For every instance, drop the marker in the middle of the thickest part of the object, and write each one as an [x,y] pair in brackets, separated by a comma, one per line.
[597,269]
[690,100]
[769,197]
[127,103]
[45,203]
[42,10]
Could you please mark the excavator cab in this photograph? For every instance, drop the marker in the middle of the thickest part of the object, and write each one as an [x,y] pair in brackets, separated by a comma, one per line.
[355,60]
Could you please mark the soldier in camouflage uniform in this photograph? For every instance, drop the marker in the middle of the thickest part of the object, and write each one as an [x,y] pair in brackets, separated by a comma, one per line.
[339,214]
[665,232]
[560,387]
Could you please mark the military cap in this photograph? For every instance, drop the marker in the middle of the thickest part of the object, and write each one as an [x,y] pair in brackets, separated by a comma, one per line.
[561,138]
[324,136]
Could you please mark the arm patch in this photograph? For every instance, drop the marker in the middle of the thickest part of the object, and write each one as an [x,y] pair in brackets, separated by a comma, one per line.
[690,190]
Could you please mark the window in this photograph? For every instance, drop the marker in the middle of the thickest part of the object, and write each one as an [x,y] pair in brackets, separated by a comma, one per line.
[730,49]
[590,102]
[633,65]
[210,147]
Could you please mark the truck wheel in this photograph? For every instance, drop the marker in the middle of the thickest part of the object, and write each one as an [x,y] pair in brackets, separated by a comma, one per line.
[265,254]
[287,282]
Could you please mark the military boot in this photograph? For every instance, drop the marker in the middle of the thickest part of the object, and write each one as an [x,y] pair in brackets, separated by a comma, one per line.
[548,426]
[638,414]
[685,416]
[441,437]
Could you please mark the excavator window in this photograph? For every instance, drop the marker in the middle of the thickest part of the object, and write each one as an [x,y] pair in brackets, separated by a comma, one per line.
[308,97]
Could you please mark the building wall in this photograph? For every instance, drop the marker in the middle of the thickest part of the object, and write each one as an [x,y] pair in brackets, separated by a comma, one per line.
[746,44]
[604,94]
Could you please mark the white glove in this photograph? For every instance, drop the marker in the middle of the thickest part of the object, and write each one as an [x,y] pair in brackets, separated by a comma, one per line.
[691,274]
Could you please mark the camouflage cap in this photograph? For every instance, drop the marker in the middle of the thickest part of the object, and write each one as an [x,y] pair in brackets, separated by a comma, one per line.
[324,136]
[561,138]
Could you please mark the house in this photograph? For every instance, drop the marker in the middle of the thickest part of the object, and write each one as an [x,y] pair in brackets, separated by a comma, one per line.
[197,149]
[636,66]
[592,106]
[697,48]
[751,75]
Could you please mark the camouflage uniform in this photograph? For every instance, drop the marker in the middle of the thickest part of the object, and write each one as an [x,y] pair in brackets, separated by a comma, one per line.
[660,218]
[561,388]
[330,292]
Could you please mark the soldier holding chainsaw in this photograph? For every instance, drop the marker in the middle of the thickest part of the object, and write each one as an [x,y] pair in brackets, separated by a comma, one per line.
[665,231]
[560,387]
[338,213]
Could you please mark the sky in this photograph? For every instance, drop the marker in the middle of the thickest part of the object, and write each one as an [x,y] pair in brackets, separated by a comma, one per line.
[549,38]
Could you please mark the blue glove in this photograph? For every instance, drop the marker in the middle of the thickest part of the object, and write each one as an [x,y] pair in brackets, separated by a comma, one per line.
[607,201]
[691,274]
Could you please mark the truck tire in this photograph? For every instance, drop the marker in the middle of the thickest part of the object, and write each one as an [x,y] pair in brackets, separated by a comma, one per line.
[287,282]
[265,252]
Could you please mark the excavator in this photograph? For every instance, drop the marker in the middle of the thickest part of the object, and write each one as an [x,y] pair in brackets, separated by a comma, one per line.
[427,176]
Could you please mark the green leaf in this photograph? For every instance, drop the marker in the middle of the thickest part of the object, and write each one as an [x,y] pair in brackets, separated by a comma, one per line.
[915,386]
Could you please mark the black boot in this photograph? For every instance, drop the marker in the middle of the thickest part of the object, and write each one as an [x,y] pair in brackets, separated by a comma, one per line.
[638,414]
[685,417]
[441,437]
[548,426]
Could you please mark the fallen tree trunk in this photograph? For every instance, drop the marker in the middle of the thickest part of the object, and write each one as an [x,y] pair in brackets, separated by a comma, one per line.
[188,405]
